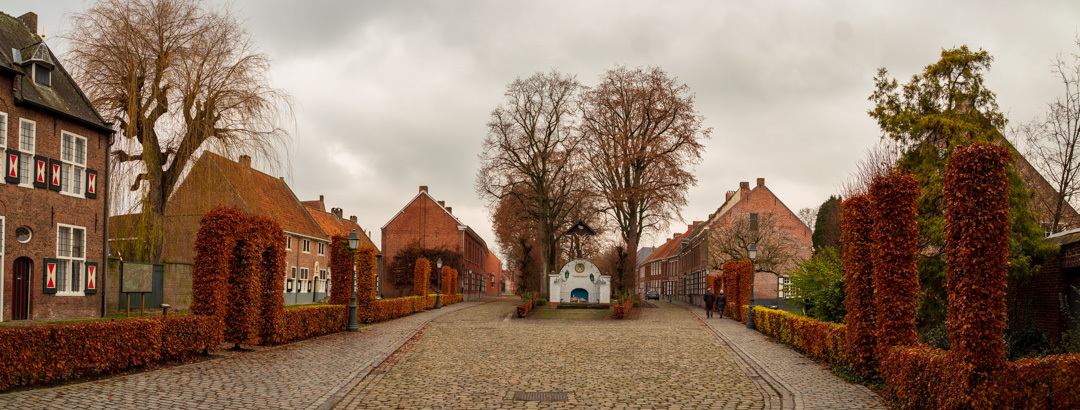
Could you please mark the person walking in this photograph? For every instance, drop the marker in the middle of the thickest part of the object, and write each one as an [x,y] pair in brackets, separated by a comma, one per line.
[709,300]
[721,300]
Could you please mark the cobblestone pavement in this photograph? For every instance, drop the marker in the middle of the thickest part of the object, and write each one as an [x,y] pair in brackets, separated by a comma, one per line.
[479,358]
[306,374]
[801,382]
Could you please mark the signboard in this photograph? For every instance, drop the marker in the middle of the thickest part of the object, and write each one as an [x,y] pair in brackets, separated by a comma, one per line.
[136,277]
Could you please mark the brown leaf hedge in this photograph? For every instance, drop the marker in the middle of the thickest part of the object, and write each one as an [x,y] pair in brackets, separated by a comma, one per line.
[340,270]
[421,276]
[48,353]
[620,311]
[856,226]
[896,237]
[818,339]
[977,245]
[366,269]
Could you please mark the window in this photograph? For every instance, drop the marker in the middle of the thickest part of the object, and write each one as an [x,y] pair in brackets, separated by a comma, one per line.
[3,131]
[70,252]
[303,273]
[27,137]
[41,75]
[293,274]
[23,234]
[73,156]
[785,289]
[307,246]
[322,248]
[753,222]
[288,243]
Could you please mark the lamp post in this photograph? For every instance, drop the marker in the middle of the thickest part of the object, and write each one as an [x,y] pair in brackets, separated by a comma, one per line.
[752,252]
[354,243]
[438,286]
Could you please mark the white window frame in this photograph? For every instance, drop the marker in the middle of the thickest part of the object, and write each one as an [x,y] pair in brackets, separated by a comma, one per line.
[68,167]
[288,243]
[3,146]
[3,232]
[69,262]
[292,273]
[34,76]
[784,287]
[306,246]
[322,249]
[30,160]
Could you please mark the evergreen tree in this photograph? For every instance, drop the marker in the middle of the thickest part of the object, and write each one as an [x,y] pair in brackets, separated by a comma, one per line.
[827,226]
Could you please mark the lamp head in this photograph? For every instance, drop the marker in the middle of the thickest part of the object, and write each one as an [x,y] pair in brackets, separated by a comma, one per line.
[354,240]
[438,263]
[752,251]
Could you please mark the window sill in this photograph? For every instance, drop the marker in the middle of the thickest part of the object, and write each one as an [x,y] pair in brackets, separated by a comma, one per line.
[80,293]
[72,195]
[31,186]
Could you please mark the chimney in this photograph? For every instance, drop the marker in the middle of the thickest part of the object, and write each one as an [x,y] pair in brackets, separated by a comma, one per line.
[321,203]
[336,212]
[449,210]
[352,218]
[698,223]
[30,21]
[744,187]
[760,182]
[245,161]
[729,195]
[423,188]
[442,203]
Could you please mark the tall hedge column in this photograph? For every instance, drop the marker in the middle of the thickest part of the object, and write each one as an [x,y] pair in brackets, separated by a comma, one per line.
[421,278]
[340,270]
[977,244]
[365,284]
[896,244]
[855,231]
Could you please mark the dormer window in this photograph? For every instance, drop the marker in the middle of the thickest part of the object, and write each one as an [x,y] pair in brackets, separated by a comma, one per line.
[42,75]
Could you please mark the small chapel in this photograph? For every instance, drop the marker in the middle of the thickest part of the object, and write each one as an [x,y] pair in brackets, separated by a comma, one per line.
[579,281]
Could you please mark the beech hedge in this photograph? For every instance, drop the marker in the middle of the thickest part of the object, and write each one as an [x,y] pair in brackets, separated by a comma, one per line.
[815,338]
[49,353]
[621,310]
[855,229]
[310,321]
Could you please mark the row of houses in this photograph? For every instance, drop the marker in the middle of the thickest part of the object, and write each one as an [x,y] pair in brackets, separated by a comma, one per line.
[678,268]
[58,236]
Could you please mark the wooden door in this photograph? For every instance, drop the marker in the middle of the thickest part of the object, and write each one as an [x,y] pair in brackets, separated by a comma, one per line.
[20,292]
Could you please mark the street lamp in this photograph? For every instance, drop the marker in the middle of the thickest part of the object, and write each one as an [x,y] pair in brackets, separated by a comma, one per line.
[438,286]
[354,243]
[752,252]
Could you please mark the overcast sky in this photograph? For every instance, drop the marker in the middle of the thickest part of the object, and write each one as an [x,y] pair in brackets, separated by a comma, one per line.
[393,95]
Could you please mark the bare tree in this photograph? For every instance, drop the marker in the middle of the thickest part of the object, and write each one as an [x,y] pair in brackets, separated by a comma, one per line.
[1053,142]
[178,77]
[808,216]
[879,160]
[777,249]
[516,235]
[643,137]
[531,154]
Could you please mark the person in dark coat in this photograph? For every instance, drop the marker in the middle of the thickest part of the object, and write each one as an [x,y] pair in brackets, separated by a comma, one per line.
[721,300]
[709,300]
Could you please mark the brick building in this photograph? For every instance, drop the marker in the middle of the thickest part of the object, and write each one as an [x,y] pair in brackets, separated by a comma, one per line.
[680,266]
[334,223]
[430,224]
[52,215]
[493,275]
[217,181]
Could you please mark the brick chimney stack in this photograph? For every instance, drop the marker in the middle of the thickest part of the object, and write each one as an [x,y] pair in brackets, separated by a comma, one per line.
[336,212]
[760,182]
[245,161]
[449,210]
[352,218]
[729,195]
[30,21]
[423,188]
[442,203]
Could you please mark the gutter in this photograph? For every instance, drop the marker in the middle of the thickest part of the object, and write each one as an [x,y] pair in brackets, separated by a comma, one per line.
[103,284]
[22,101]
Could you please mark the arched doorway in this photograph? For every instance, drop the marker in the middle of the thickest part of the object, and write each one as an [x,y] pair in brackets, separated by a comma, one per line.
[20,292]
[579,295]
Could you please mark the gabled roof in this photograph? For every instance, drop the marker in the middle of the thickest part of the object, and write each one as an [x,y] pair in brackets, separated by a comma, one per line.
[62,97]
[333,225]
[461,225]
[669,248]
[265,195]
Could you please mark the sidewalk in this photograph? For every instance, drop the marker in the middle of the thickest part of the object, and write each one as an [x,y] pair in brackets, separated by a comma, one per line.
[307,374]
[800,382]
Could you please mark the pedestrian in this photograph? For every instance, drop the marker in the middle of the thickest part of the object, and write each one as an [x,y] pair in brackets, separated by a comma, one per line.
[721,300]
[709,300]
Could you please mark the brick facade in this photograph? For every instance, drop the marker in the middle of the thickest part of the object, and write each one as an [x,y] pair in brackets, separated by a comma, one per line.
[51,113]
[432,225]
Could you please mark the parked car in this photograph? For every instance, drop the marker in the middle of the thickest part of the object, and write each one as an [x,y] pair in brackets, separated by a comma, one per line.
[652,294]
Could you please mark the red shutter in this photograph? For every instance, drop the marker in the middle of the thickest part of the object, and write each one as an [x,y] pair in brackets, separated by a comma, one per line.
[41,167]
[91,278]
[48,280]
[91,184]
[11,160]
[56,170]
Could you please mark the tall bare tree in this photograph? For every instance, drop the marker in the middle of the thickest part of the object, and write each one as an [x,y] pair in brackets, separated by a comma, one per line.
[1053,142]
[532,154]
[643,137]
[808,216]
[778,249]
[178,77]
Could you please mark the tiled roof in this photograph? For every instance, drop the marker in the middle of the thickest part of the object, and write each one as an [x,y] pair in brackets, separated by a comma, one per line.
[266,196]
[63,96]
[333,225]
[669,247]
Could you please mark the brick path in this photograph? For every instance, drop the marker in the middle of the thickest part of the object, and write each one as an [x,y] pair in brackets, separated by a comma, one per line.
[306,374]
[479,358]
[801,382]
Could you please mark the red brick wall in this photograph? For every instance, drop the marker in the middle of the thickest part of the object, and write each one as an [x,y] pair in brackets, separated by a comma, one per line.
[41,210]
[311,260]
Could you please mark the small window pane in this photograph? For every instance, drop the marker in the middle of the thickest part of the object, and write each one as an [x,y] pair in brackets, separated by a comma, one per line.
[61,277]
[26,137]
[3,130]
[24,169]
[64,246]
[41,75]
[67,148]
[80,151]
[76,243]
[76,269]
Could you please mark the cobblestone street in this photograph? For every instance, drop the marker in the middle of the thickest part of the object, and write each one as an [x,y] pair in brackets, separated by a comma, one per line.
[477,359]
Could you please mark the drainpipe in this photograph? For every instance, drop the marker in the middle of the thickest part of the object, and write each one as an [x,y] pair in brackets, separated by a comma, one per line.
[104,284]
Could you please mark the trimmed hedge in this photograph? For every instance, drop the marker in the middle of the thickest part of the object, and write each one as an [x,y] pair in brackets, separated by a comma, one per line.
[524,308]
[387,309]
[738,282]
[365,283]
[976,248]
[340,271]
[310,321]
[856,227]
[896,278]
[815,338]
[621,310]
[421,277]
[48,353]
